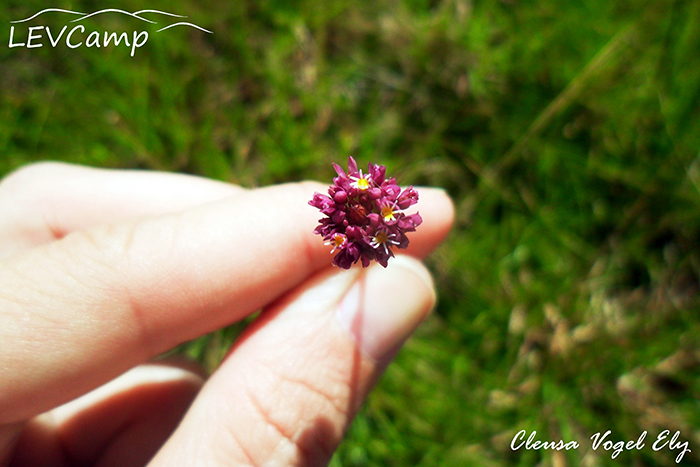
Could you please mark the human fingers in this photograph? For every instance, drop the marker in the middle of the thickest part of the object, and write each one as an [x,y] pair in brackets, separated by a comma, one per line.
[123,422]
[45,201]
[293,383]
[93,304]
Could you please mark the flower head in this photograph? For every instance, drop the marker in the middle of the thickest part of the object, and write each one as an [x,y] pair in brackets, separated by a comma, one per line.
[364,215]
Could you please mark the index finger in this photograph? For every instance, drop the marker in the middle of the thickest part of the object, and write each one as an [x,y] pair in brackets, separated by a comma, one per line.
[83,309]
[42,202]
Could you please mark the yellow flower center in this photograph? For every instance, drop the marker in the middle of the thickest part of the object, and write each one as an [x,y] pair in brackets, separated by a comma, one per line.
[338,240]
[361,181]
[388,213]
[362,184]
[381,237]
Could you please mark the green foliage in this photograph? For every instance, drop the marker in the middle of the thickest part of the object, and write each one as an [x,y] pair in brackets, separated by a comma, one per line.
[566,132]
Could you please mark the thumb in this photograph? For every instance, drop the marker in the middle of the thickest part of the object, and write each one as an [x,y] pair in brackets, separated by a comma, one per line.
[295,380]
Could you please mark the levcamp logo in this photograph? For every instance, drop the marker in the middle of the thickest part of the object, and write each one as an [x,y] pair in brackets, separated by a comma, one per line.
[77,35]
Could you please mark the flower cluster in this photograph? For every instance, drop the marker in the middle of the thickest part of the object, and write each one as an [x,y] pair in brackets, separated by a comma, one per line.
[365,215]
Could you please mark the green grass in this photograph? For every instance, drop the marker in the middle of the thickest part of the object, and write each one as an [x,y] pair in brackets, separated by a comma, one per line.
[568,134]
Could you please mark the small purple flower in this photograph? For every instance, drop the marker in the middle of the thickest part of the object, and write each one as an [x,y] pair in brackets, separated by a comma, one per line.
[365,215]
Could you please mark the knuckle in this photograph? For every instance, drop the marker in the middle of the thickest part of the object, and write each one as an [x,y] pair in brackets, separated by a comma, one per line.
[25,193]
[97,259]
[102,244]
[100,261]
[26,197]
[29,177]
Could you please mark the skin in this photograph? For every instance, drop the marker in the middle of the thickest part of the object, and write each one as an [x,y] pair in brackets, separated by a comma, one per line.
[103,270]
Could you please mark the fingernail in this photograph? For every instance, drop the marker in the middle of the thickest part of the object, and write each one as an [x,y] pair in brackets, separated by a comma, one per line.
[433,189]
[385,305]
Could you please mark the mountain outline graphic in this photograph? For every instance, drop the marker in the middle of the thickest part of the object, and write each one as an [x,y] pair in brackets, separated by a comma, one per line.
[115,10]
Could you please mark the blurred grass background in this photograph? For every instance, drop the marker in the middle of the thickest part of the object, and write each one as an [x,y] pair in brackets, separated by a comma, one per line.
[567,133]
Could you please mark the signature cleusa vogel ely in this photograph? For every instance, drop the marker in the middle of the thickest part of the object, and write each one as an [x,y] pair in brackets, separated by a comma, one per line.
[365,215]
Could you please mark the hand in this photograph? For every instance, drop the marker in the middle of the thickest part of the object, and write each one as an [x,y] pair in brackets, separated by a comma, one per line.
[102,270]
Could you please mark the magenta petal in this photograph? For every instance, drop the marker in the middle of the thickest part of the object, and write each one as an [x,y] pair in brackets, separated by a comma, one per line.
[352,166]
[378,173]
[408,198]
[409,223]
[339,170]
[366,260]
[391,191]
[340,197]
[417,219]
[337,217]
